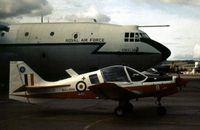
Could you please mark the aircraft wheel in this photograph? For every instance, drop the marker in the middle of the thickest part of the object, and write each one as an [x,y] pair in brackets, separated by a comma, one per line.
[119,111]
[161,111]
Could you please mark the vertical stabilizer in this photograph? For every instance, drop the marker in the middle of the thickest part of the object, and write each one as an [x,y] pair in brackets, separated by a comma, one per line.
[22,77]
[15,79]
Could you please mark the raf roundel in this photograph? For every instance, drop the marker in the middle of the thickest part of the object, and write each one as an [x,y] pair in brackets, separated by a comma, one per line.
[81,86]
[22,69]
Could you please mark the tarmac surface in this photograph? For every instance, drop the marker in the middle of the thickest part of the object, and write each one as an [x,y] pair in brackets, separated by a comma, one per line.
[183,113]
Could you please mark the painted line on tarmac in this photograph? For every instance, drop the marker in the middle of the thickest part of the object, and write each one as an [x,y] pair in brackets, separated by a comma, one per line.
[89,126]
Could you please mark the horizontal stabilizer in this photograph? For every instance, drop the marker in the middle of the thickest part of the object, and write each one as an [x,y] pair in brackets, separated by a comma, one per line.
[21,78]
[152,26]
[72,73]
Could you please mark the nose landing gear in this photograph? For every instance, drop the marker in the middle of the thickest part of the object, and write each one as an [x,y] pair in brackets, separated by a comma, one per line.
[123,108]
[161,110]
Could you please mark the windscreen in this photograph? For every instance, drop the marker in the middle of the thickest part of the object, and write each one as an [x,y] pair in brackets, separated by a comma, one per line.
[134,75]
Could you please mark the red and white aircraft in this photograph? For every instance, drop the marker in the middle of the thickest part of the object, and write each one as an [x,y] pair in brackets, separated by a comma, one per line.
[119,83]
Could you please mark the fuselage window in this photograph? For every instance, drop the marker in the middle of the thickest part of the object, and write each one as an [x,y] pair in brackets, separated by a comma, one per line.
[52,34]
[75,35]
[94,79]
[26,34]
[2,34]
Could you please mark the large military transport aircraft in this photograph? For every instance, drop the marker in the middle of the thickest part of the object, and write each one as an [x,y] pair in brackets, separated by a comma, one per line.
[119,83]
[85,46]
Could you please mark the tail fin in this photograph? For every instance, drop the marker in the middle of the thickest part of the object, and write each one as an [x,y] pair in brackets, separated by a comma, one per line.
[22,76]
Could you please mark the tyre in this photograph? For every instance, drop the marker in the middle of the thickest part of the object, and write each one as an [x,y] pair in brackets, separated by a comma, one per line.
[119,111]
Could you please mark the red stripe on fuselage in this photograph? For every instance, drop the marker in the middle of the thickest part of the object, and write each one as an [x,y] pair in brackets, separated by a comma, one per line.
[146,90]
[63,95]
[151,90]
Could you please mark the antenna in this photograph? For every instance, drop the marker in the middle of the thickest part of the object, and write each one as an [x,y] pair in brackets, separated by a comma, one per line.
[42,18]
[152,26]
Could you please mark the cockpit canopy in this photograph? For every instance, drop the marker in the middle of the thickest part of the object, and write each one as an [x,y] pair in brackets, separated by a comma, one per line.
[120,73]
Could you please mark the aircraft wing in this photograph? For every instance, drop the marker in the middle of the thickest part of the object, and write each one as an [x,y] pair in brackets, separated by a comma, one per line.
[113,91]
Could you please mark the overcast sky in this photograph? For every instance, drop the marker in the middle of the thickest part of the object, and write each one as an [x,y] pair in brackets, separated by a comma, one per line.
[183,16]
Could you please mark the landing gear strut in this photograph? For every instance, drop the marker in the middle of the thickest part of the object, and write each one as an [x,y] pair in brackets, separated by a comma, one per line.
[123,108]
[161,110]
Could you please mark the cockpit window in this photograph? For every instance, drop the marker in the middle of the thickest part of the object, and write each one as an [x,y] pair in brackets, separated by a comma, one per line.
[132,36]
[114,74]
[94,79]
[144,35]
[126,37]
[137,39]
[134,75]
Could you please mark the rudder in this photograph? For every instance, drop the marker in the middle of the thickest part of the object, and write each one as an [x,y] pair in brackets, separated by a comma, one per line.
[22,77]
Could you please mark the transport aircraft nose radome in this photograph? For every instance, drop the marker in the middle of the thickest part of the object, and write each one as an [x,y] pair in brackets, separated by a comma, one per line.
[161,48]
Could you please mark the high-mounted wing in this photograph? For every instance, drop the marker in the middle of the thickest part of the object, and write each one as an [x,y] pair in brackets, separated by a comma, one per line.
[113,91]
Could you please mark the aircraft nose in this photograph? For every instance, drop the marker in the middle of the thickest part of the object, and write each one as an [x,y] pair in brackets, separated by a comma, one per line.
[161,48]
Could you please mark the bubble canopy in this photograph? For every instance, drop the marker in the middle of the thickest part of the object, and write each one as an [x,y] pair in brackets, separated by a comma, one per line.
[121,73]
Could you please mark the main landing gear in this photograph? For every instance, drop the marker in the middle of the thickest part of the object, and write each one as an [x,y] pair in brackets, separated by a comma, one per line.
[123,108]
[161,110]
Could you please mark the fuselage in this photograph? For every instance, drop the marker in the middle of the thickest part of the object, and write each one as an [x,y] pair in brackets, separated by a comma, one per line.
[50,48]
[113,82]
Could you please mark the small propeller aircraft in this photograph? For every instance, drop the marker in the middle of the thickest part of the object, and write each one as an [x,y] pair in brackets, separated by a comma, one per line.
[119,83]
